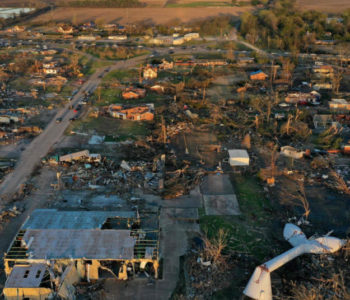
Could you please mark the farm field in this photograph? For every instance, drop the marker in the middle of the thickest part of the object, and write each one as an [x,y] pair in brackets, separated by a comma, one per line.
[158,15]
[197,3]
[148,3]
[334,6]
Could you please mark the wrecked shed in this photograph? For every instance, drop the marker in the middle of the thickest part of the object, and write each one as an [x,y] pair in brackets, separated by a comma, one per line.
[291,152]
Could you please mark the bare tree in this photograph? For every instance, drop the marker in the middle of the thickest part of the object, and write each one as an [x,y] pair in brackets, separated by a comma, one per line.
[214,247]
[298,198]
[338,70]
[337,76]
[287,68]
[296,128]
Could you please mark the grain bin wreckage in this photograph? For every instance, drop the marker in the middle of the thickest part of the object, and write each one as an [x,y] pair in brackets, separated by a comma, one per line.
[259,285]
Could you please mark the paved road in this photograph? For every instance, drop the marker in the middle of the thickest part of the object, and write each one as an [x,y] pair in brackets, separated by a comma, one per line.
[42,144]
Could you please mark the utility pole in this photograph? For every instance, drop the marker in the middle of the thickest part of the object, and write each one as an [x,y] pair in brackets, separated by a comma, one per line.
[99,94]
[164,134]
[203,95]
[186,148]
[140,74]
[58,175]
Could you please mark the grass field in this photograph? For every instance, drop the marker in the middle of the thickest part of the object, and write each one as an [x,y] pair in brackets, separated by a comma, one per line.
[112,127]
[248,232]
[327,6]
[157,15]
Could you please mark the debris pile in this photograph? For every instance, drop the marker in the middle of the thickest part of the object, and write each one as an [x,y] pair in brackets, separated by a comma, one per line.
[205,278]
[12,212]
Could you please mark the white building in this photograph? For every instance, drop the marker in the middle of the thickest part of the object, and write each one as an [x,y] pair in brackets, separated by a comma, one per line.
[238,158]
[118,37]
[87,38]
[191,36]
[50,71]
[178,41]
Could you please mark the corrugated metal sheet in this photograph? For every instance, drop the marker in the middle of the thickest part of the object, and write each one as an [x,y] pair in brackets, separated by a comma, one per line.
[74,156]
[54,219]
[76,244]
[26,276]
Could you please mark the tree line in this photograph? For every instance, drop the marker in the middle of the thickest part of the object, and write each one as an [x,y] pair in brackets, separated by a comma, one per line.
[281,26]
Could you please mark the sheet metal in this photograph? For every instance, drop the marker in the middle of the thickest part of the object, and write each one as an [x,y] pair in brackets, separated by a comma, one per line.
[55,219]
[20,279]
[75,244]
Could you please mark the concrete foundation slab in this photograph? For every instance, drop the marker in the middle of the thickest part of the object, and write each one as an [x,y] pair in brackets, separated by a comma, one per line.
[217,184]
[217,205]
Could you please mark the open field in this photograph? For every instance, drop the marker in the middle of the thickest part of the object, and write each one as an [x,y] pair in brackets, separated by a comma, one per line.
[198,3]
[122,15]
[333,6]
[155,3]
[148,3]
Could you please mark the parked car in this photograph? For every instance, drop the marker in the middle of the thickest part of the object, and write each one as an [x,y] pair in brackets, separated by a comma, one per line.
[59,120]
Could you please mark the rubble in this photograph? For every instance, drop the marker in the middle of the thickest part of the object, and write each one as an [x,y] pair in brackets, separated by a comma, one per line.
[9,213]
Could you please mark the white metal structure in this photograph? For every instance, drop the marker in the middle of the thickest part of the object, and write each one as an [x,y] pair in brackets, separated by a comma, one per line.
[259,285]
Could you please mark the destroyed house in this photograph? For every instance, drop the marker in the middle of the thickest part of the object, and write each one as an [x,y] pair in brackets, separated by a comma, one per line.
[150,73]
[258,75]
[339,105]
[322,121]
[323,70]
[165,65]
[64,28]
[83,155]
[136,113]
[133,93]
[299,97]
[93,244]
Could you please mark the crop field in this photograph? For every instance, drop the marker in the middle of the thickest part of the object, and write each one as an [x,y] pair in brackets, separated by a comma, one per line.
[330,6]
[148,3]
[157,15]
[198,3]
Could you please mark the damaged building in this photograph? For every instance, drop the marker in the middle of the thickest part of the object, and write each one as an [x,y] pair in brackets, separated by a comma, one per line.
[54,250]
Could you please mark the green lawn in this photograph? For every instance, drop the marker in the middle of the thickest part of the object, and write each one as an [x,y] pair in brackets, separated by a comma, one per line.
[113,95]
[114,128]
[205,55]
[121,75]
[247,232]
